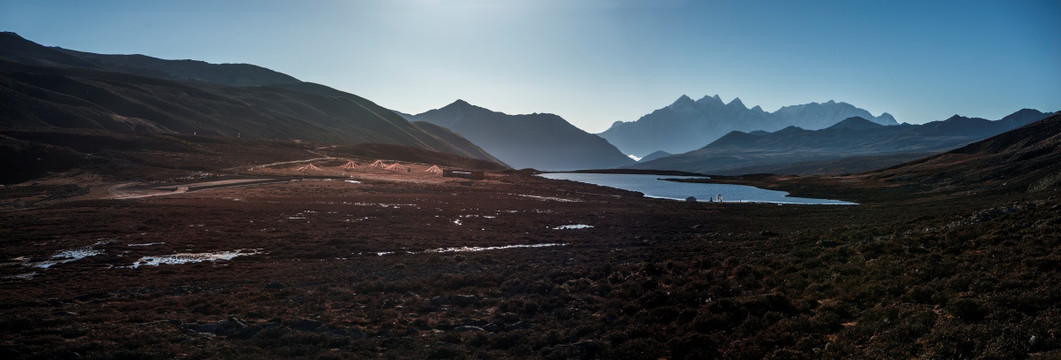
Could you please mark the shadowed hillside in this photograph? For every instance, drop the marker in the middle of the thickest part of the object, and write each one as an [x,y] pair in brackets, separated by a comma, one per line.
[540,141]
[36,154]
[1028,157]
[53,88]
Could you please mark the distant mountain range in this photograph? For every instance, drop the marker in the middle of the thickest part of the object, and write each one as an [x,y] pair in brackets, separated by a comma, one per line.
[540,141]
[687,124]
[47,87]
[1027,158]
[852,145]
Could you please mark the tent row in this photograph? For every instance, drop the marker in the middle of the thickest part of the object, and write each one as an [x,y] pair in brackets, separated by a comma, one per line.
[351,165]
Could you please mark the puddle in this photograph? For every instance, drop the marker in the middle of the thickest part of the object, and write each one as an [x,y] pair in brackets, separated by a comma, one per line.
[185,258]
[470,249]
[573,227]
[383,205]
[547,198]
[66,256]
[478,216]
[489,248]
[25,276]
[146,244]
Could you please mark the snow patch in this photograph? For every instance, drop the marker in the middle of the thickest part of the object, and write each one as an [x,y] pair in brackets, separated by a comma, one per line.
[573,227]
[547,198]
[471,249]
[65,256]
[146,244]
[185,258]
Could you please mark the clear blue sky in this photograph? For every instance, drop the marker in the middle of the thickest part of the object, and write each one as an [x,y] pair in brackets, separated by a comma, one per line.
[597,61]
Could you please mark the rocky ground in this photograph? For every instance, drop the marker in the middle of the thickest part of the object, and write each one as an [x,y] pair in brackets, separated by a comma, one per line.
[413,265]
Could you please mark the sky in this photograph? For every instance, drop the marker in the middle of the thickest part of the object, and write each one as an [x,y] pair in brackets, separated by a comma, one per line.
[595,62]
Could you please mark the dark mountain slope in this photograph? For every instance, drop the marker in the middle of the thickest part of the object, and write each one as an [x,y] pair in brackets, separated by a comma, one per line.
[137,156]
[541,141]
[55,90]
[853,145]
[451,137]
[1026,158]
[16,48]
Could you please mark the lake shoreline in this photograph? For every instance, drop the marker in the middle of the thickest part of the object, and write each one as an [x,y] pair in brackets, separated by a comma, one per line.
[700,190]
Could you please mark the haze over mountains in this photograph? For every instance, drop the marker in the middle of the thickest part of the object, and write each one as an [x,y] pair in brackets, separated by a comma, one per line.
[46,87]
[686,124]
[853,145]
[540,141]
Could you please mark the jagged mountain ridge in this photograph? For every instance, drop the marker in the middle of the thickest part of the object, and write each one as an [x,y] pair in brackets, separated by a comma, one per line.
[687,124]
[852,145]
[46,87]
[540,141]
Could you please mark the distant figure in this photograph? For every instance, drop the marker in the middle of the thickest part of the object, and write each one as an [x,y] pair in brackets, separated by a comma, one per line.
[719,197]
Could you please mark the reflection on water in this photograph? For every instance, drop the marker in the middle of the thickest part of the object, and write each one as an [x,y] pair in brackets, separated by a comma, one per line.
[654,186]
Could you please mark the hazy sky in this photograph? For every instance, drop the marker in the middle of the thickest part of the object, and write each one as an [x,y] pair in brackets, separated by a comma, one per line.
[597,61]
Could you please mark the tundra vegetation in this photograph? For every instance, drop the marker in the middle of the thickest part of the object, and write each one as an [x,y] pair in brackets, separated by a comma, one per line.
[941,259]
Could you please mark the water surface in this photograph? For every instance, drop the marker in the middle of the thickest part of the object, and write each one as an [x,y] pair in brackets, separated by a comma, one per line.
[654,186]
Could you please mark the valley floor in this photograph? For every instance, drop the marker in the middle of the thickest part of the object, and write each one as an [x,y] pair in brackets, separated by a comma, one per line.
[393,266]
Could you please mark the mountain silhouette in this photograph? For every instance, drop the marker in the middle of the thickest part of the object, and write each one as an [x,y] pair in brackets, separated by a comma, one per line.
[48,87]
[687,124]
[540,141]
[852,145]
[1027,158]
[655,155]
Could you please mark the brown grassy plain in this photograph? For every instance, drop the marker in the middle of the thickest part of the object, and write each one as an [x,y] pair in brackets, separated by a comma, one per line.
[386,268]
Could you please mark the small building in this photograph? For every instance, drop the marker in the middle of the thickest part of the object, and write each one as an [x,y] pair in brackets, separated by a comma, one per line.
[467,174]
